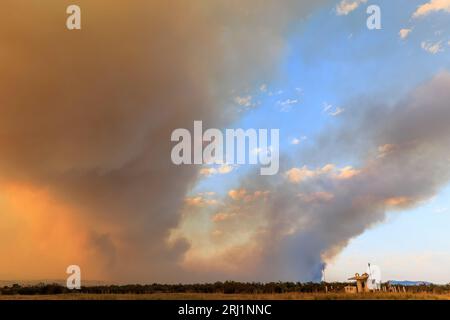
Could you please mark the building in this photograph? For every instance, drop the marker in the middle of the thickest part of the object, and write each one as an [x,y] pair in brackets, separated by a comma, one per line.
[362,284]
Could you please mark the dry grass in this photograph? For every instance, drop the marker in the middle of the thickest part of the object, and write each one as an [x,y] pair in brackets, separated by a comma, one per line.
[220,296]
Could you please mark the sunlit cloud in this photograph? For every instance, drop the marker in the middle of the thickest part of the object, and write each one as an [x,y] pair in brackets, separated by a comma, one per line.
[222,169]
[245,101]
[432,6]
[200,201]
[346,6]
[298,175]
[404,33]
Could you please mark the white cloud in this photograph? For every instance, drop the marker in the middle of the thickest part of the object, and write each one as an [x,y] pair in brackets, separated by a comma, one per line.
[288,102]
[432,6]
[326,107]
[404,33]
[332,111]
[431,47]
[286,105]
[263,87]
[296,141]
[336,112]
[347,6]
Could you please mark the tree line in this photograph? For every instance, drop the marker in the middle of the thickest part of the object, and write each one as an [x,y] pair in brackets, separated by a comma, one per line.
[227,287]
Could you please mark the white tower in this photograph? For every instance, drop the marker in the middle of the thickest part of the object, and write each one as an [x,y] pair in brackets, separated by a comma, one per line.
[374,280]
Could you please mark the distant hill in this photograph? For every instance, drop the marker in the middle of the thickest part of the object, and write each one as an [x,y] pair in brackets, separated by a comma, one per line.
[409,283]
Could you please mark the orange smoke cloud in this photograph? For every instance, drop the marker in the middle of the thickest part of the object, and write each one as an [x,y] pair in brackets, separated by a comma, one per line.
[39,235]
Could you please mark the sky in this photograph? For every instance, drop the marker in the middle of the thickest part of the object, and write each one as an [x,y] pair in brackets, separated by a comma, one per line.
[86,177]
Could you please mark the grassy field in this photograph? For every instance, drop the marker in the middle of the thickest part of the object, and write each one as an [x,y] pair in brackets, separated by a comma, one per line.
[219,296]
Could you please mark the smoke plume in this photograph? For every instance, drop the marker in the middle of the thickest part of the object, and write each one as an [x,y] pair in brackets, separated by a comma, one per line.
[287,228]
[86,118]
